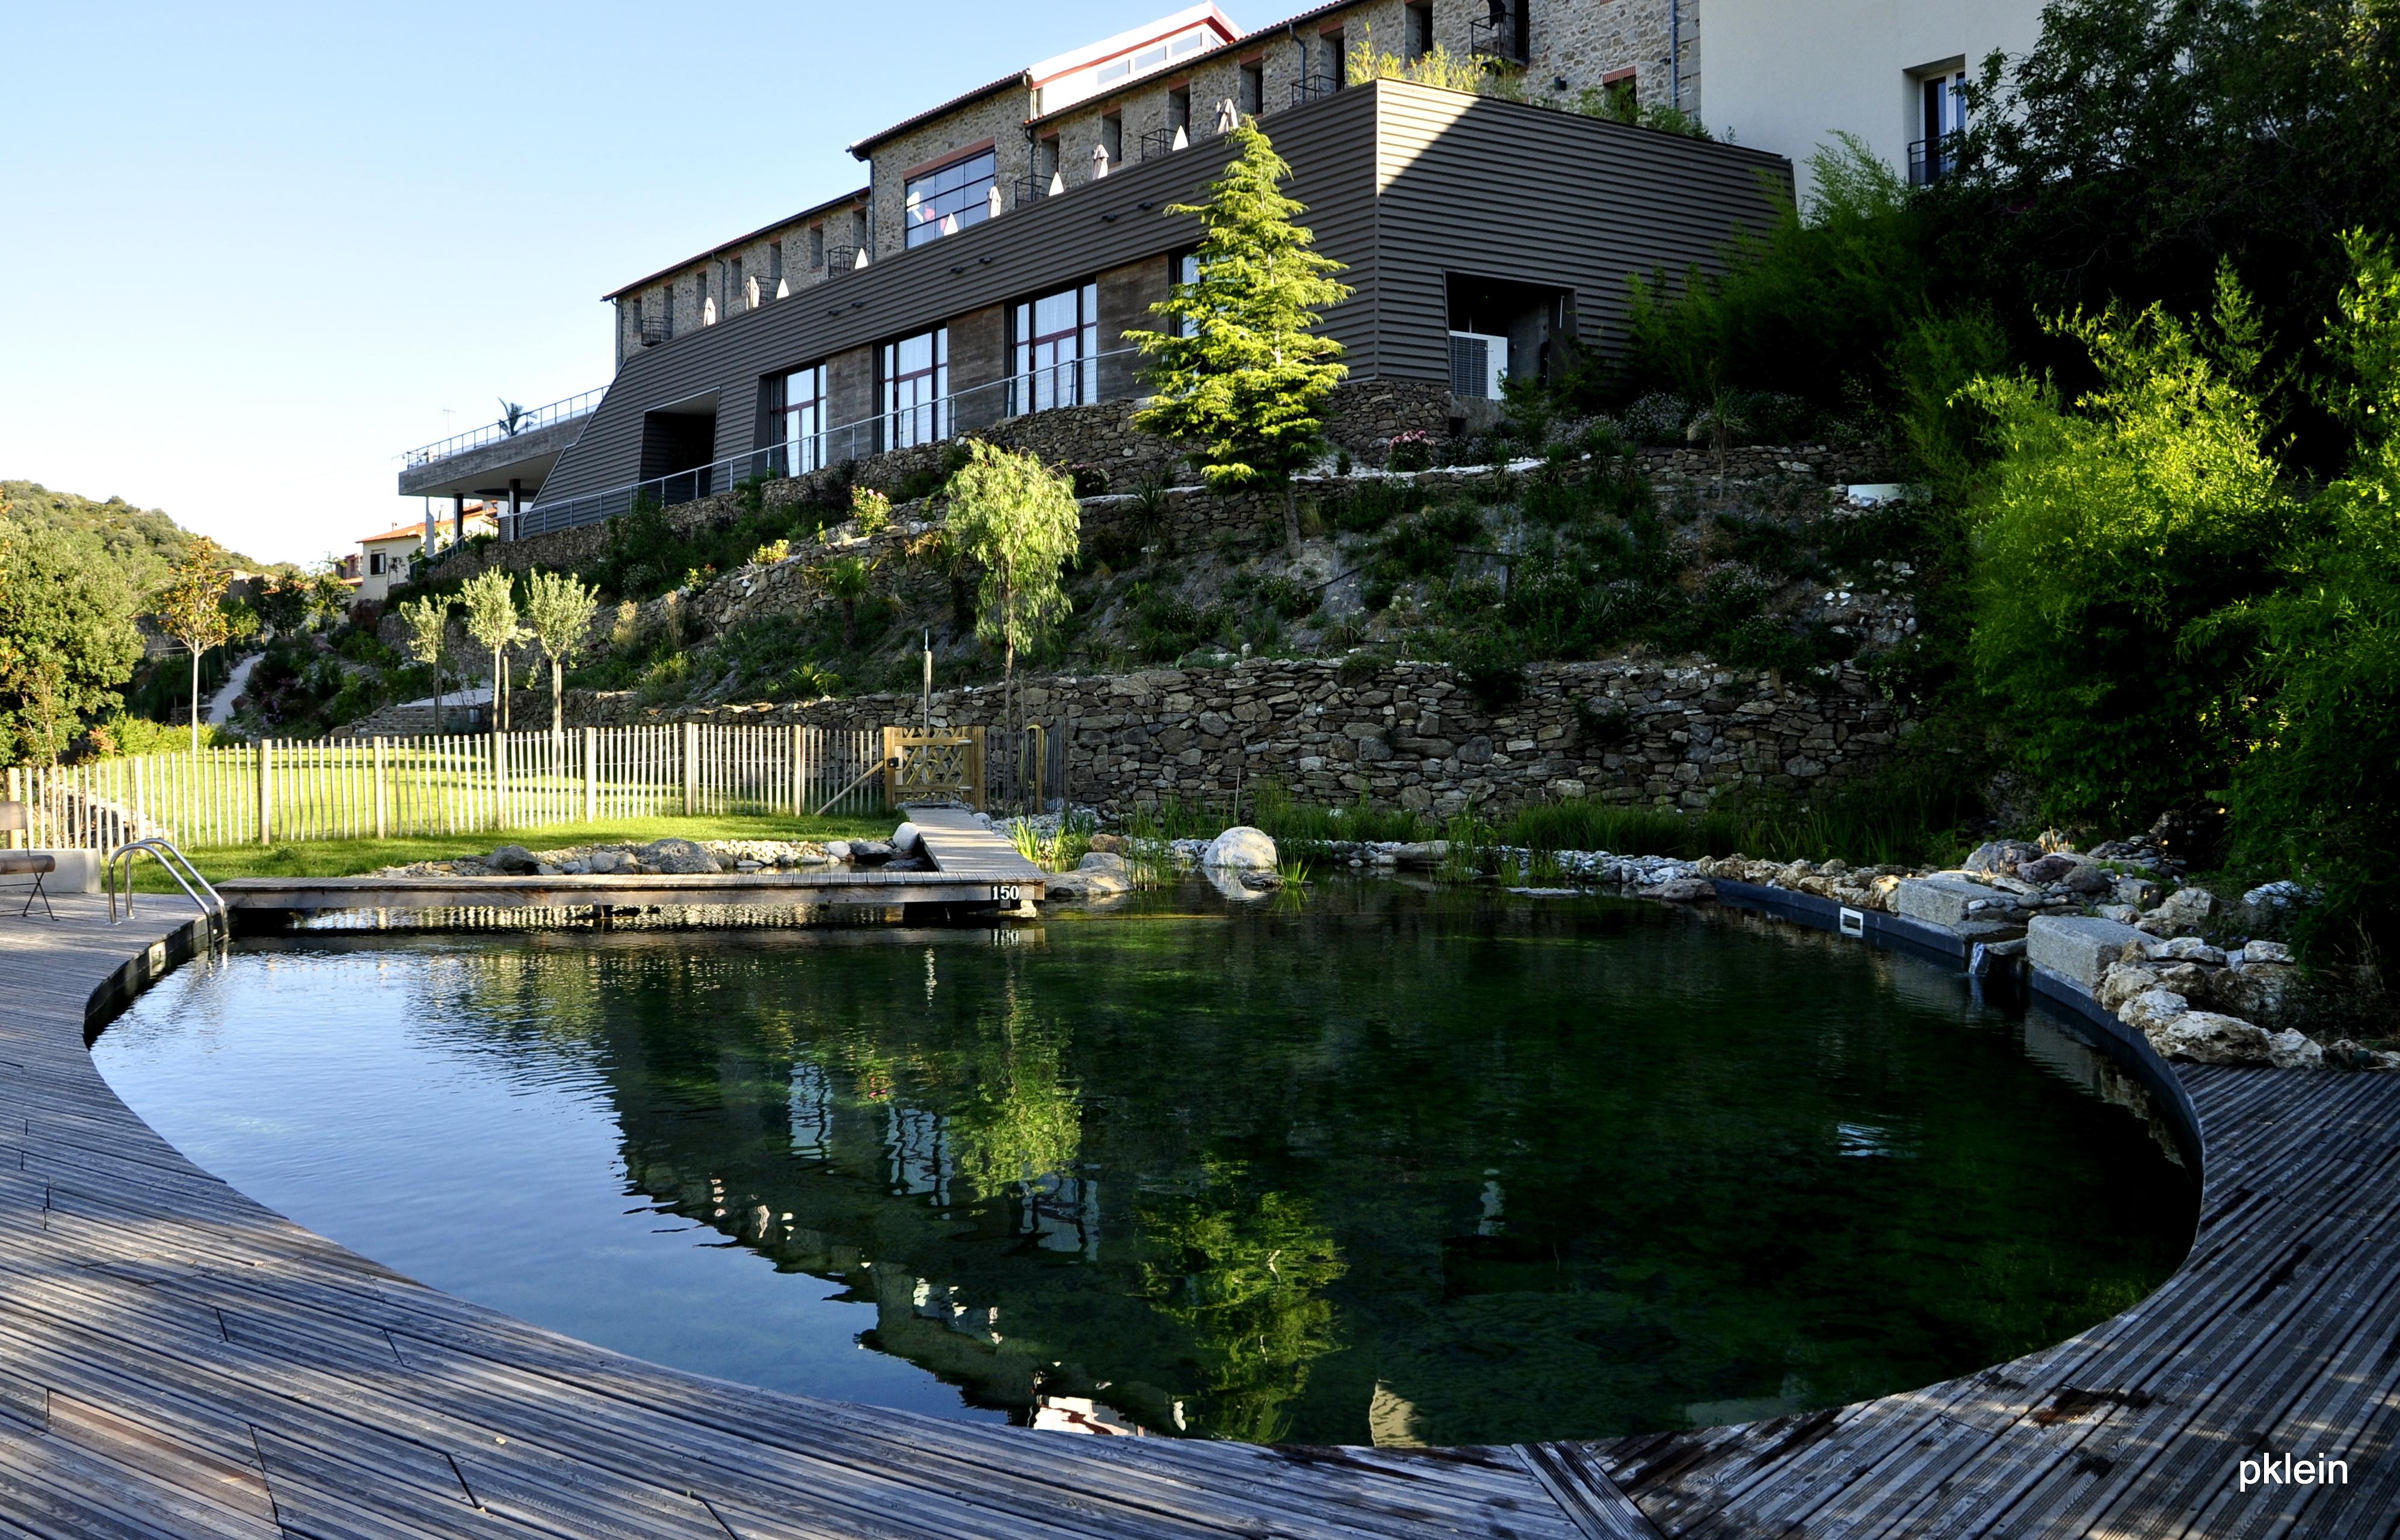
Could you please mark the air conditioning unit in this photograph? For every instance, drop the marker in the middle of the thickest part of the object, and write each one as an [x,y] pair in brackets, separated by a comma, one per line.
[1478,364]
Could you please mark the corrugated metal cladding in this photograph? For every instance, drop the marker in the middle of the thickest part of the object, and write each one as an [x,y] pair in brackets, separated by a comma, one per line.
[1405,184]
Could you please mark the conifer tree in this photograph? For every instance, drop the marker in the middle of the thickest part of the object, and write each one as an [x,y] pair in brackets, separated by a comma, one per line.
[1238,373]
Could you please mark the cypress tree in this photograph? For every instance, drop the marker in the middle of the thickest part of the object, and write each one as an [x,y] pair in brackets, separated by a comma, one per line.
[1238,373]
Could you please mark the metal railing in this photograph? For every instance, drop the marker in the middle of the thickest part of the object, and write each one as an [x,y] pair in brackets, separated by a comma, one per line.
[1930,160]
[179,867]
[840,260]
[493,432]
[1313,87]
[1074,383]
[1495,36]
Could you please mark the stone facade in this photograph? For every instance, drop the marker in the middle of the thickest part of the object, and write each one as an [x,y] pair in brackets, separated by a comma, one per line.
[784,258]
[998,117]
[1633,731]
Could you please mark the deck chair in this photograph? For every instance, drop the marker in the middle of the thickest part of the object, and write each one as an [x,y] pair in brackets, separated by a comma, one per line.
[37,864]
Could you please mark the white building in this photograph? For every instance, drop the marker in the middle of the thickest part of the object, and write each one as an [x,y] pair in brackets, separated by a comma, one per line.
[1786,77]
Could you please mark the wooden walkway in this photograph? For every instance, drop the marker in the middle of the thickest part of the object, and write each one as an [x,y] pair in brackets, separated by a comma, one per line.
[176,1361]
[960,847]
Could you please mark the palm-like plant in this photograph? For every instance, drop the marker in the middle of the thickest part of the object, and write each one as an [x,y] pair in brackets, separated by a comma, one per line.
[847,581]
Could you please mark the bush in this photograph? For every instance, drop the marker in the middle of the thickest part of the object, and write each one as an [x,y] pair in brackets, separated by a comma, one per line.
[2115,534]
[1657,418]
[1411,450]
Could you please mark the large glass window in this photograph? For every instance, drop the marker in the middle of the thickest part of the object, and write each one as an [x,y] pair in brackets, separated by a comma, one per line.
[943,202]
[1057,349]
[917,388]
[804,420]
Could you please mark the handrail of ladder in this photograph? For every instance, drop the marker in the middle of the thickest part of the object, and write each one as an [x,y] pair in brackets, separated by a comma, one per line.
[162,851]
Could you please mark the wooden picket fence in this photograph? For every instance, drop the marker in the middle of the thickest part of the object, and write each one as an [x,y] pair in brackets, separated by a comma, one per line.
[348,788]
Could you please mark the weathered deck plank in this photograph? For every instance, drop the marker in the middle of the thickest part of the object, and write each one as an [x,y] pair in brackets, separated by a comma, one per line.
[175,1360]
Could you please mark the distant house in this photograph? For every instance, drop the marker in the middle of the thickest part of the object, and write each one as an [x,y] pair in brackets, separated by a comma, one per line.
[382,561]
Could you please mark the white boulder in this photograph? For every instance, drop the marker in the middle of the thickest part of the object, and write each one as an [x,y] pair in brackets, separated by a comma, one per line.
[1240,849]
[2290,1049]
[2208,1037]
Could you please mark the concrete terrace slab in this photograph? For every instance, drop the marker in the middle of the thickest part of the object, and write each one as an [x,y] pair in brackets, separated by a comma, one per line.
[176,1360]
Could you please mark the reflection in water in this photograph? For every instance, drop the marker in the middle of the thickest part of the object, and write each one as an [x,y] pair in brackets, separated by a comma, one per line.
[1403,1167]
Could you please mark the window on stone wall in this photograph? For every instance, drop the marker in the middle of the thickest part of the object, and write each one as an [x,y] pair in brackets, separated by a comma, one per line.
[1254,87]
[917,388]
[1332,60]
[948,199]
[804,419]
[1057,341]
[1112,138]
[1417,35]
[816,245]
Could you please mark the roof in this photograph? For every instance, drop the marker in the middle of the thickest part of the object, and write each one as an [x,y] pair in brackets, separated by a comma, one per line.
[416,531]
[1019,79]
[1246,41]
[674,268]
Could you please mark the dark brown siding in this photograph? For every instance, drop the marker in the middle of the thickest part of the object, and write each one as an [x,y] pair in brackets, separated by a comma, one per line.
[1497,190]
[1331,144]
[1402,184]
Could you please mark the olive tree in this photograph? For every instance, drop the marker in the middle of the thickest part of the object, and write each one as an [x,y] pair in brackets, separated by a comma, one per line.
[191,608]
[491,602]
[560,608]
[428,621]
[1017,520]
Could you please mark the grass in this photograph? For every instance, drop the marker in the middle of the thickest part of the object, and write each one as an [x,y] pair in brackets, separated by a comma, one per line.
[355,857]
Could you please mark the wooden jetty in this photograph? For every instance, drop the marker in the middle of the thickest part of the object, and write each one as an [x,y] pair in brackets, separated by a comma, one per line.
[973,867]
[177,1361]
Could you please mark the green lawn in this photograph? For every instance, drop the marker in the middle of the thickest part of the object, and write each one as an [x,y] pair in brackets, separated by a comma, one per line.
[351,857]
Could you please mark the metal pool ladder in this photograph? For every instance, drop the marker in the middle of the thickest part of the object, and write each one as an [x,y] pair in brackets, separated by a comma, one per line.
[179,867]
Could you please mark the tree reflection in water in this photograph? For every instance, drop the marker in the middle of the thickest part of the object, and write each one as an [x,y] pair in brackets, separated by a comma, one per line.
[1399,1165]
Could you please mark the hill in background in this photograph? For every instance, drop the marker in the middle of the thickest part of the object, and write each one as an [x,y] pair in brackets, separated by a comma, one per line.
[141,544]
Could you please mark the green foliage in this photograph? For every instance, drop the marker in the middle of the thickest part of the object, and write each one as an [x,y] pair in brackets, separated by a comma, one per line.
[2112,533]
[1246,384]
[1165,627]
[140,545]
[2141,145]
[67,641]
[1800,309]
[560,609]
[1018,523]
[2320,795]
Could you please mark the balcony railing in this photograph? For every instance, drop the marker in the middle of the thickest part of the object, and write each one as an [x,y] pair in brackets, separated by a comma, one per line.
[1930,160]
[840,260]
[494,432]
[1496,36]
[1074,383]
[1313,87]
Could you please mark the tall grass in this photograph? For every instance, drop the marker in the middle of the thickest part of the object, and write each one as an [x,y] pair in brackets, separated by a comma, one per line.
[1884,820]
[1273,810]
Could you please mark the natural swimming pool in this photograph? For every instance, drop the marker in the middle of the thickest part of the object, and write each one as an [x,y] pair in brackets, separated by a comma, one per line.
[1398,1165]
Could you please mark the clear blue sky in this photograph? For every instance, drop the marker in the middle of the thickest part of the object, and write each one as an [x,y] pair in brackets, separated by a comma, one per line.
[254,251]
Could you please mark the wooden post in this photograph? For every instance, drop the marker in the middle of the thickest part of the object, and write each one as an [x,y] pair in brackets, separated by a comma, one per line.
[890,767]
[16,794]
[383,809]
[265,791]
[590,775]
[691,768]
[974,768]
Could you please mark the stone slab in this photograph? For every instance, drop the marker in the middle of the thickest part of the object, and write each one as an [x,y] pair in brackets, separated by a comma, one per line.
[2075,948]
[1941,900]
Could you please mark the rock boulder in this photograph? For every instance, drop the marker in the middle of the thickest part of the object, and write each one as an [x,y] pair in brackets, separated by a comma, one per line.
[1240,849]
[679,857]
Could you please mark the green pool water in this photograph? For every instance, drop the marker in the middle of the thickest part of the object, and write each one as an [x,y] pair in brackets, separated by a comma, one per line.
[1393,1166]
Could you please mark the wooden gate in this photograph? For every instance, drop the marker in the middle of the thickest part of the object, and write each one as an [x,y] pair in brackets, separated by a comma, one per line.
[933,767]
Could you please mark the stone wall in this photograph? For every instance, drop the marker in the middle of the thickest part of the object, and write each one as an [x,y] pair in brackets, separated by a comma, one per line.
[1364,416]
[1408,734]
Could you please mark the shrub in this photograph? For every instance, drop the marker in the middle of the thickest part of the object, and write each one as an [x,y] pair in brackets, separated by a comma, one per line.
[2114,530]
[1659,419]
[870,510]
[1411,450]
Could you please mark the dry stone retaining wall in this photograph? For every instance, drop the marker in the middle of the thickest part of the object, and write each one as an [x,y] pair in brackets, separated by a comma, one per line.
[1406,734]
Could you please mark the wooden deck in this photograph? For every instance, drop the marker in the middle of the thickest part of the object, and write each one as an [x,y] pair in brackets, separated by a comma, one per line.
[959,846]
[177,1361]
